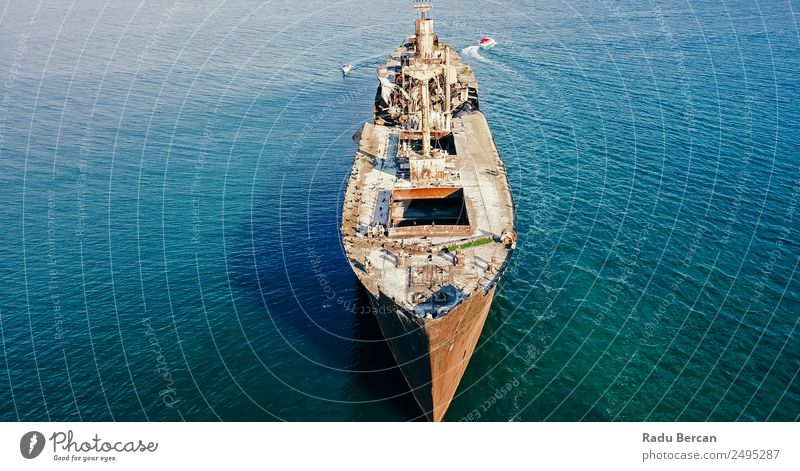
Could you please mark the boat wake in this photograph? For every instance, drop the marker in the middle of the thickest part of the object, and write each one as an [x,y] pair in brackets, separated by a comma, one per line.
[365,63]
[475,53]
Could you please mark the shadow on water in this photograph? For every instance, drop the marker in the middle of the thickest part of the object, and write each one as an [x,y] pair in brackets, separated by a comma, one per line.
[375,387]
[383,378]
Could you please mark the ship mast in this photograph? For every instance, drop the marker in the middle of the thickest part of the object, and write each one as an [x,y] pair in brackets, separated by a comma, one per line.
[424,29]
[425,66]
[424,46]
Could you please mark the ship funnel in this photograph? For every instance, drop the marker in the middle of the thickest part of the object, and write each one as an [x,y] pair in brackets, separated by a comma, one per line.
[424,30]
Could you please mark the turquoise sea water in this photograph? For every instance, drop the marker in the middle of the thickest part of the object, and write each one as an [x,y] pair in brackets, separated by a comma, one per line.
[172,174]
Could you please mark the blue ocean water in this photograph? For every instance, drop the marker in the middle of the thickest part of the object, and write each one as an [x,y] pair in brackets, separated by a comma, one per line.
[172,174]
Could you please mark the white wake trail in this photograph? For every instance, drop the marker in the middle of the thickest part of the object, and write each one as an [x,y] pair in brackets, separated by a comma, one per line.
[475,53]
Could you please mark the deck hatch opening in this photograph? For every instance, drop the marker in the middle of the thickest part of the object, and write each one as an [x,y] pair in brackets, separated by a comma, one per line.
[429,207]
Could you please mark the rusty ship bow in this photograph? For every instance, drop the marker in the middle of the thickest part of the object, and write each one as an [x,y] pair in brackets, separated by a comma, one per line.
[428,218]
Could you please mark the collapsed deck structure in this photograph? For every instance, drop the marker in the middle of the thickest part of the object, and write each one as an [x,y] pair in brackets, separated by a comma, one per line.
[428,221]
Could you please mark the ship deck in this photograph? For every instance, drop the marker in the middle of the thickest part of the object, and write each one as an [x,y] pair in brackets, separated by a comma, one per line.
[428,282]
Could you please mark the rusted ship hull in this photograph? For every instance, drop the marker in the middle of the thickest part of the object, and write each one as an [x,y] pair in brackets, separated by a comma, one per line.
[428,221]
[433,354]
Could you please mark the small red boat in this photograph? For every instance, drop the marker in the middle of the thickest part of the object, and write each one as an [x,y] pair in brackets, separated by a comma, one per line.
[486,42]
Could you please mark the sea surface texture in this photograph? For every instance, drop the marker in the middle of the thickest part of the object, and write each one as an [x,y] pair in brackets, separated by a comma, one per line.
[172,172]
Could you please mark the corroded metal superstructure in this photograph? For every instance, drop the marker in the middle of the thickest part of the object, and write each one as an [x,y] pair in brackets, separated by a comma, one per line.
[428,220]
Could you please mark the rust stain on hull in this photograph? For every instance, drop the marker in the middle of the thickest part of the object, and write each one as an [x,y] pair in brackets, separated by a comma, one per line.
[452,342]
[434,355]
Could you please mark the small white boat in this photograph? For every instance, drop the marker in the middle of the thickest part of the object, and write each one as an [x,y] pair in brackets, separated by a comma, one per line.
[346,68]
[487,42]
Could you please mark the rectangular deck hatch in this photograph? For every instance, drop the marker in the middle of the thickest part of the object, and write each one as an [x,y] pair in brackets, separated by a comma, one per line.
[441,210]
